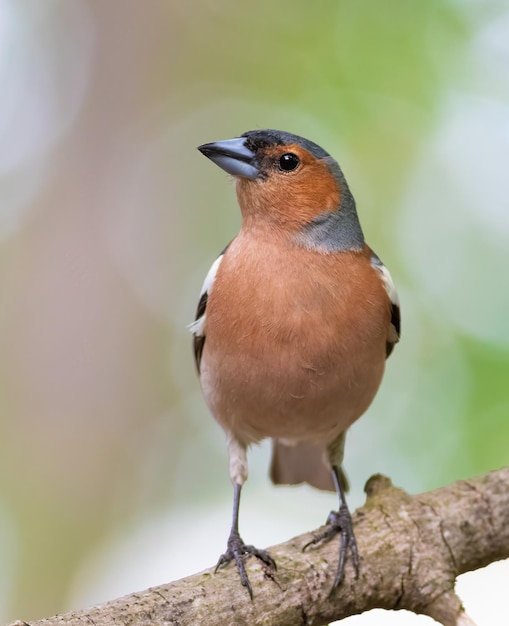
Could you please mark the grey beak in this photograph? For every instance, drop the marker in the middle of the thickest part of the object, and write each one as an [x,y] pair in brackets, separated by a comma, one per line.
[232,156]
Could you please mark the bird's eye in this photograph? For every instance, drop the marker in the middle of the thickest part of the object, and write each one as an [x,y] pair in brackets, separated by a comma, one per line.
[288,162]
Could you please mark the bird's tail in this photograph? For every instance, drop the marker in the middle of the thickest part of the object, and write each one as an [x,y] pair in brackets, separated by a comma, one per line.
[302,463]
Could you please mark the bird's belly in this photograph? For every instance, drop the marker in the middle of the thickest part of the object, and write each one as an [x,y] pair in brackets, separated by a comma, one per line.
[279,393]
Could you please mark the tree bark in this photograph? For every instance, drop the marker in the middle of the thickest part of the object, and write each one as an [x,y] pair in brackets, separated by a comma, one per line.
[412,548]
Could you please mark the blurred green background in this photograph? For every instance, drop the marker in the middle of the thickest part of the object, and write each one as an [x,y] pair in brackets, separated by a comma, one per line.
[113,475]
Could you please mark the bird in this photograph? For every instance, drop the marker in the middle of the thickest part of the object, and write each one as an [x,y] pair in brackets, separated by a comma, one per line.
[294,323]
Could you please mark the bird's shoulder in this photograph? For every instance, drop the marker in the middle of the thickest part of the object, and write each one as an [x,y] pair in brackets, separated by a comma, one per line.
[395,323]
[197,328]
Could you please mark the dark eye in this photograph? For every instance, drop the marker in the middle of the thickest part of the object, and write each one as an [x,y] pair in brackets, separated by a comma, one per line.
[288,162]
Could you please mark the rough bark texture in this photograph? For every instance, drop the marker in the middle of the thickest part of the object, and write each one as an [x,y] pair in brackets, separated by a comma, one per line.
[412,549]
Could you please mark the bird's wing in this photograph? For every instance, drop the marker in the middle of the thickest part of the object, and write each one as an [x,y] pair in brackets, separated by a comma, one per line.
[197,328]
[395,325]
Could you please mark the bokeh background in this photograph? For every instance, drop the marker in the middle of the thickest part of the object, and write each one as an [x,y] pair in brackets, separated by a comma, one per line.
[113,475]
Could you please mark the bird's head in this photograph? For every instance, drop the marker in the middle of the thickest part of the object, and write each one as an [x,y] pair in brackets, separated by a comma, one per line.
[289,182]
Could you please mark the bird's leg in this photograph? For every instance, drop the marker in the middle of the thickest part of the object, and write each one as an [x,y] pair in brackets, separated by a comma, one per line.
[237,550]
[339,523]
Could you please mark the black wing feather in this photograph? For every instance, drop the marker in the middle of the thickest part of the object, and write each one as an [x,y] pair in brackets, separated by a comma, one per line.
[396,322]
[199,340]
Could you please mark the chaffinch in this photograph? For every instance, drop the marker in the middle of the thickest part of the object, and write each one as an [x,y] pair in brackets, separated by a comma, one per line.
[295,320]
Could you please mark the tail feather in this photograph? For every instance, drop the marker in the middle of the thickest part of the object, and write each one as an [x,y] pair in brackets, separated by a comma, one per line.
[302,463]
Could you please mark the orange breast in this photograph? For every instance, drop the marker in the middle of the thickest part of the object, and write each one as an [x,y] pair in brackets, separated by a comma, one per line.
[295,340]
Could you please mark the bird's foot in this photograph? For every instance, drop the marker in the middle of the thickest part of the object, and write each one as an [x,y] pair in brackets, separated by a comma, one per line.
[339,523]
[238,551]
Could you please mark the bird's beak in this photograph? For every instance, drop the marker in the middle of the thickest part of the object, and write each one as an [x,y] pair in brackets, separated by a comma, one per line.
[232,156]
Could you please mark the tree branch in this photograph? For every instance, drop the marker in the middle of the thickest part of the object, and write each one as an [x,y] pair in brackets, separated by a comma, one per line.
[412,549]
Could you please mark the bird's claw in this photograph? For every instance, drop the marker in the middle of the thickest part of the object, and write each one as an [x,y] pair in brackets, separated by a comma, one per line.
[238,551]
[339,523]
